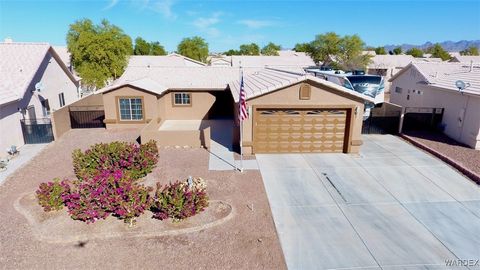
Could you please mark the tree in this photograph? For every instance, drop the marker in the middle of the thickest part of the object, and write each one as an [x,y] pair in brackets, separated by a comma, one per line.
[415,52]
[249,49]
[470,51]
[397,51]
[301,47]
[99,52]
[232,52]
[157,49]
[437,51]
[380,50]
[324,47]
[270,49]
[142,47]
[350,54]
[194,47]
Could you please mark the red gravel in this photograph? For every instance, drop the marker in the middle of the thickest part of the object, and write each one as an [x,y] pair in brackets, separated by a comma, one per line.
[247,241]
[460,153]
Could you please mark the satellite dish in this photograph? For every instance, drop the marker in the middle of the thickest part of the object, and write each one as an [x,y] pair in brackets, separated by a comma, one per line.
[461,85]
[39,86]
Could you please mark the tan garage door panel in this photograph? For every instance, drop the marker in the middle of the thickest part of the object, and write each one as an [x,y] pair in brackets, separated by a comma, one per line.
[299,130]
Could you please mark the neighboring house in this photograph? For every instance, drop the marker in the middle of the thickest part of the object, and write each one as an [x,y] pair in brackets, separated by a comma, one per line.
[285,59]
[466,59]
[290,111]
[170,60]
[433,85]
[290,60]
[219,61]
[387,66]
[34,82]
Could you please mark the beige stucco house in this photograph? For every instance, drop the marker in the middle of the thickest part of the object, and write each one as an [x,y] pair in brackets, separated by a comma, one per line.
[433,85]
[35,82]
[290,111]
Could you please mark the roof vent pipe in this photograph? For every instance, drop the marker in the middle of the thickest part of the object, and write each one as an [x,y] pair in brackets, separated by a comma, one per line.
[471,66]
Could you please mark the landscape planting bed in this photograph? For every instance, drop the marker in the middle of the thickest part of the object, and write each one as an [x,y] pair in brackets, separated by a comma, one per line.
[244,239]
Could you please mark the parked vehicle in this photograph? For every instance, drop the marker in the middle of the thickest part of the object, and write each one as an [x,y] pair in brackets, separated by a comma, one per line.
[369,85]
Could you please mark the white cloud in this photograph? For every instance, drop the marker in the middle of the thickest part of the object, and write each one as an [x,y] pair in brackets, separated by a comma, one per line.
[256,23]
[163,7]
[206,25]
[111,4]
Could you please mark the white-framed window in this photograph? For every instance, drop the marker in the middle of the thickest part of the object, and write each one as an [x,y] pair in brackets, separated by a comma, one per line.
[182,99]
[131,109]
[398,90]
[61,99]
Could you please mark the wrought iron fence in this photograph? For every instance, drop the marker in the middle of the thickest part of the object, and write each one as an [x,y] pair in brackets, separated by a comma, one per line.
[37,130]
[86,117]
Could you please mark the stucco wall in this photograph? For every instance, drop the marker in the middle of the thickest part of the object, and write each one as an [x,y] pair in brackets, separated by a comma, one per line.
[157,107]
[192,138]
[60,122]
[110,102]
[10,128]
[56,81]
[201,102]
[320,96]
[461,117]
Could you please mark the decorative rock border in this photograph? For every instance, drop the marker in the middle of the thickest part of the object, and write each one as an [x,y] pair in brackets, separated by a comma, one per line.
[473,176]
[58,227]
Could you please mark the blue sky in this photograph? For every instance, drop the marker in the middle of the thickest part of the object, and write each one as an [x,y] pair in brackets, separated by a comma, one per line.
[226,24]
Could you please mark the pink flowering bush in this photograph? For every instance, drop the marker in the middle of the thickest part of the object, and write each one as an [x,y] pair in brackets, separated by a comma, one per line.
[180,200]
[107,184]
[138,160]
[49,195]
[107,193]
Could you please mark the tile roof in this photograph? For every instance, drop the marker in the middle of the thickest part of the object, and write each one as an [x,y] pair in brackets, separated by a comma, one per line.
[142,83]
[18,64]
[268,80]
[182,77]
[390,61]
[293,60]
[445,74]
[64,54]
[171,60]
[466,58]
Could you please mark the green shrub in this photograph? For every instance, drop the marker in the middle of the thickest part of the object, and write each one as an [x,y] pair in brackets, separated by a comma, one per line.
[137,160]
[180,200]
[50,195]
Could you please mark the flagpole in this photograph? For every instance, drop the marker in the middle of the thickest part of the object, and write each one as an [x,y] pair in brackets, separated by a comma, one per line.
[241,129]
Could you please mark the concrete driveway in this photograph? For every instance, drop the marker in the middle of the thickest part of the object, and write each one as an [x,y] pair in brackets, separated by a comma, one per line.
[391,207]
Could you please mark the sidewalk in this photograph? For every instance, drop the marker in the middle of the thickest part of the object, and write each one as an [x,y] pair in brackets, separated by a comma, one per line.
[27,152]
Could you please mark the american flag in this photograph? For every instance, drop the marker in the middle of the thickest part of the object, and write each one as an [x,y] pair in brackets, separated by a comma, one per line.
[242,103]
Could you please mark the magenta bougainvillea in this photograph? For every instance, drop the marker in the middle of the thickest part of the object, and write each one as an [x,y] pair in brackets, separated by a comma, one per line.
[107,184]
[107,193]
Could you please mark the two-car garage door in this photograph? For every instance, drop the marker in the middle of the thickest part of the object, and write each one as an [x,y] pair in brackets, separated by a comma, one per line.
[297,130]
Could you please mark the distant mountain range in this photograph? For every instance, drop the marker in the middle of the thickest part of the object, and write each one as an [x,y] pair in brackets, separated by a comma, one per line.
[450,46]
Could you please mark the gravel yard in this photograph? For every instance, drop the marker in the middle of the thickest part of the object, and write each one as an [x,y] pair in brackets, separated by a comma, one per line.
[468,157]
[247,241]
